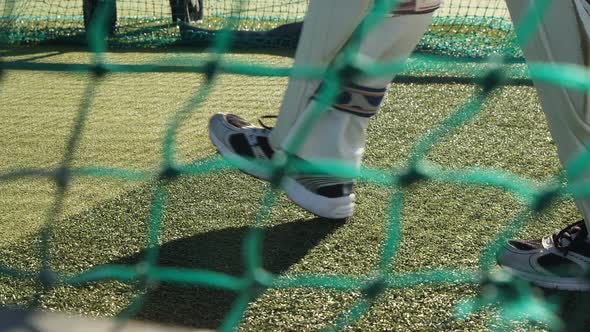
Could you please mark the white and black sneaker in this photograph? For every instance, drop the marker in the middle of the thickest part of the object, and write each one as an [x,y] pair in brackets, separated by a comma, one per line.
[558,261]
[235,137]
[323,195]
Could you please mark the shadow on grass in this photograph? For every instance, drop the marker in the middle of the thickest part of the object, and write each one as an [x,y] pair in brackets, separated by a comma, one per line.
[573,309]
[221,250]
[62,48]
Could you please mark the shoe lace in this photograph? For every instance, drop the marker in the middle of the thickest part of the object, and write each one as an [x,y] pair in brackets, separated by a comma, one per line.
[237,121]
[265,117]
[570,235]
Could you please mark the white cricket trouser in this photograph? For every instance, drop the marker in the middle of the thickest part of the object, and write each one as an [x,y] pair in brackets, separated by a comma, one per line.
[340,133]
[562,37]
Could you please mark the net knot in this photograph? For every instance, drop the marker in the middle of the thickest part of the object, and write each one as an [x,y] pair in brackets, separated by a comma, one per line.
[280,162]
[143,276]
[62,177]
[210,69]
[47,278]
[410,176]
[348,73]
[169,173]
[99,70]
[544,198]
[258,281]
[499,285]
[494,78]
[375,288]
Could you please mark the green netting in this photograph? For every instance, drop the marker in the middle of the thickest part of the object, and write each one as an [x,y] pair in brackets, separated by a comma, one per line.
[515,299]
[471,28]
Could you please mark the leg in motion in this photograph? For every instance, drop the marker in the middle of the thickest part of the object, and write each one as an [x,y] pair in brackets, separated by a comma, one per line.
[340,133]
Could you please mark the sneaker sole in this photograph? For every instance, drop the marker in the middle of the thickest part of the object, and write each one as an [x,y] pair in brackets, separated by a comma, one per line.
[321,206]
[566,284]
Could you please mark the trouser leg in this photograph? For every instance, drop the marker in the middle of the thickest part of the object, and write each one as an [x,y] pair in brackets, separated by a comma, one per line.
[327,27]
[562,37]
[340,132]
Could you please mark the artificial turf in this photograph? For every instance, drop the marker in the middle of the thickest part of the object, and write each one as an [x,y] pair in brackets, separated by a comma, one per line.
[206,217]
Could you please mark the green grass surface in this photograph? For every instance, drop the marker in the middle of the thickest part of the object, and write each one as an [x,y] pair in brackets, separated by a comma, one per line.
[206,217]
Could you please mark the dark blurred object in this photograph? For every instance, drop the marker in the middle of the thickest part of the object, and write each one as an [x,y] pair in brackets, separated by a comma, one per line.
[284,36]
[186,10]
[91,9]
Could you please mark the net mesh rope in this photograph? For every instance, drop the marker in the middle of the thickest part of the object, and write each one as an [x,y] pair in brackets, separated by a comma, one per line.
[472,28]
[515,298]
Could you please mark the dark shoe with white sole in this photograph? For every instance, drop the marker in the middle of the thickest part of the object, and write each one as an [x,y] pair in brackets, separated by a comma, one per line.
[558,261]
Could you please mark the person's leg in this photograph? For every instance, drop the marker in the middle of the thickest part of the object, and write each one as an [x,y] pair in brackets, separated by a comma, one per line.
[561,37]
[326,28]
[340,132]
